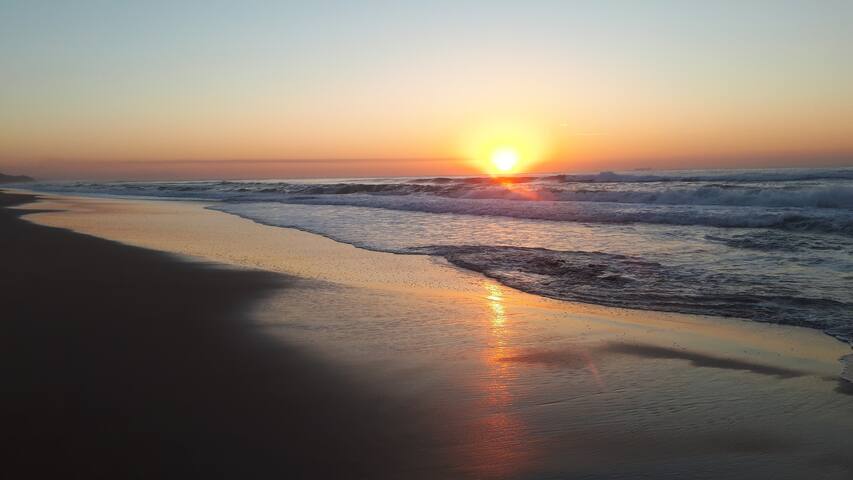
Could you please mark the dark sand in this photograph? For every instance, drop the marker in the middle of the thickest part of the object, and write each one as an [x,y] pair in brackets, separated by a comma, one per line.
[119,362]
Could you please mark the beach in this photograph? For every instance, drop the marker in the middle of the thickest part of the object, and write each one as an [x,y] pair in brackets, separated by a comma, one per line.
[422,240]
[120,362]
[216,344]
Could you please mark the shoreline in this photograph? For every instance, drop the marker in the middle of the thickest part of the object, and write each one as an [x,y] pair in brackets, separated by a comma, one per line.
[515,375]
[79,201]
[211,205]
[308,241]
[120,361]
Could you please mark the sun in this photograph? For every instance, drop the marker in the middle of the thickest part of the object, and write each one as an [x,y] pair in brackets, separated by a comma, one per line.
[500,148]
[504,159]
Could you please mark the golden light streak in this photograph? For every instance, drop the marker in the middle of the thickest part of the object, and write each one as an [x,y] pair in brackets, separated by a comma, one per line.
[502,448]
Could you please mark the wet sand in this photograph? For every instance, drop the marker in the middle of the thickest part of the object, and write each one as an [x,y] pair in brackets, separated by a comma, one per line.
[120,362]
[509,385]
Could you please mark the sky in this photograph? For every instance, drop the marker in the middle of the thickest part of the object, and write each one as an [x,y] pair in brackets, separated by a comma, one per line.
[310,89]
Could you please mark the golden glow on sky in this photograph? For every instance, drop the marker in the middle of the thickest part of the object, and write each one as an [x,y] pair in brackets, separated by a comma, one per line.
[505,147]
[287,90]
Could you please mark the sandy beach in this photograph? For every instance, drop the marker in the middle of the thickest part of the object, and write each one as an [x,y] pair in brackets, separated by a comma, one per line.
[120,362]
[212,345]
[414,240]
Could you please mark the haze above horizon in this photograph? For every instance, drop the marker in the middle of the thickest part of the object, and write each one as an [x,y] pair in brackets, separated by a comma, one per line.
[185,90]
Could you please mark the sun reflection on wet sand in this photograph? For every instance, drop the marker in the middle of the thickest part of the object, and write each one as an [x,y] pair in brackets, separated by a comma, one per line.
[501,447]
[500,372]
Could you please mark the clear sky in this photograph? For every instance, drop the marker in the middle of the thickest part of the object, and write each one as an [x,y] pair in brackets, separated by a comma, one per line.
[274,89]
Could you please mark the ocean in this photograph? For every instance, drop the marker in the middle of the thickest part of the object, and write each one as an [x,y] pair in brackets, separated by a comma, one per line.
[770,245]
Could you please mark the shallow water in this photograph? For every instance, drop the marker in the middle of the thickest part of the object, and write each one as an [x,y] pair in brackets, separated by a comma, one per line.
[767,245]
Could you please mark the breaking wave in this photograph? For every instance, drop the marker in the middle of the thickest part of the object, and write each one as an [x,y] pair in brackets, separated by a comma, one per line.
[729,176]
[817,196]
[805,201]
[800,220]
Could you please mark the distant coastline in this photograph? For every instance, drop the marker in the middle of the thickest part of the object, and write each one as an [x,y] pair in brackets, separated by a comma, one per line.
[15,178]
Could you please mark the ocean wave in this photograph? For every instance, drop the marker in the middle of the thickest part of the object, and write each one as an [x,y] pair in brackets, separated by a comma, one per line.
[830,197]
[631,282]
[731,176]
[822,209]
[771,240]
[839,197]
[826,195]
[800,220]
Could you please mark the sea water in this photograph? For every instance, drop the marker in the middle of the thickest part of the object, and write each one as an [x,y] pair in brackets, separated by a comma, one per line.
[771,245]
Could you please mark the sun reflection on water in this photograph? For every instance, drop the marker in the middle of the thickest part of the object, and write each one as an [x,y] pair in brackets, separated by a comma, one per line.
[495,298]
[502,448]
[498,348]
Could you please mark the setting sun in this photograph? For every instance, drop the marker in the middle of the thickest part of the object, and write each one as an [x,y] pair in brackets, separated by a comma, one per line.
[505,146]
[504,159]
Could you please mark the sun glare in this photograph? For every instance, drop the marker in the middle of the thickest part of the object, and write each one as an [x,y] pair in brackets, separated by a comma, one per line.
[504,148]
[504,159]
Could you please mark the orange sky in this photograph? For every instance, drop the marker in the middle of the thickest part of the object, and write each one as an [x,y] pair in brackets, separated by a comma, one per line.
[167,91]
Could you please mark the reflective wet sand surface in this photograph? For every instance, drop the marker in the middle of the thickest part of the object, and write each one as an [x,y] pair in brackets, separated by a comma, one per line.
[526,387]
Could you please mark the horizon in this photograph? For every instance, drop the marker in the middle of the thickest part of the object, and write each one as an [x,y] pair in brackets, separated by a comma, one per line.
[162,91]
[156,176]
[153,174]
